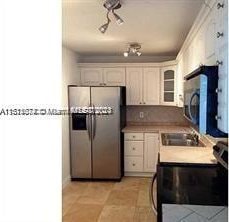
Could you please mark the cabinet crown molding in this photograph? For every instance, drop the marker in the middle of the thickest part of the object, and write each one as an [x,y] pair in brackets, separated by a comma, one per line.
[114,65]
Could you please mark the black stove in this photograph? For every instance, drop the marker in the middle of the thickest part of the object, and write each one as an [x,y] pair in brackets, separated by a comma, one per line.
[193,184]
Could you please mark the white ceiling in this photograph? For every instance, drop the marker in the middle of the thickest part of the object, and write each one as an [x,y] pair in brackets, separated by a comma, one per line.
[159,25]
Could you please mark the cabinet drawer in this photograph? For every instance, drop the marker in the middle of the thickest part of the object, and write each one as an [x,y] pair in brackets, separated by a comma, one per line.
[133,148]
[133,164]
[134,136]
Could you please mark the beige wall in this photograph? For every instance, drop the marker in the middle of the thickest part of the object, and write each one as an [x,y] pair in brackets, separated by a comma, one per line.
[70,75]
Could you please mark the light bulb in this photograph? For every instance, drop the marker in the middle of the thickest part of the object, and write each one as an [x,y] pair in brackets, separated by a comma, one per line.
[118,19]
[126,54]
[103,28]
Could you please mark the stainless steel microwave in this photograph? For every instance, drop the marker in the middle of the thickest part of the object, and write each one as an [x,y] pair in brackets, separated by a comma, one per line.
[200,100]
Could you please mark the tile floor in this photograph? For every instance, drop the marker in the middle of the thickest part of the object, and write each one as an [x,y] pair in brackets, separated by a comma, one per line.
[194,213]
[125,201]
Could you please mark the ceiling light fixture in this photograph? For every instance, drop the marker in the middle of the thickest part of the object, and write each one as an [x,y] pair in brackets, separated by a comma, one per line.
[104,27]
[118,19]
[134,49]
[111,5]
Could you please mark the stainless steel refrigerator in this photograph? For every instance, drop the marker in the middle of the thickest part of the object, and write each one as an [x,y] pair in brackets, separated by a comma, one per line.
[96,141]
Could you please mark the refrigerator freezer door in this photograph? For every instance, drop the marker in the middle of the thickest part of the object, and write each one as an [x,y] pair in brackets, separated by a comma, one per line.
[80,128]
[106,129]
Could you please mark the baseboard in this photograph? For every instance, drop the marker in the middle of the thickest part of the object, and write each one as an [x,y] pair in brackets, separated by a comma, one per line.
[66,181]
[138,174]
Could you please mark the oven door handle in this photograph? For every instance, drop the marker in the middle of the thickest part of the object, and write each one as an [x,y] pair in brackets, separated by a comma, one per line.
[151,197]
[196,93]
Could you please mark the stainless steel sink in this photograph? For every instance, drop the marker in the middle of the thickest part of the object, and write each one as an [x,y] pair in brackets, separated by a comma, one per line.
[180,139]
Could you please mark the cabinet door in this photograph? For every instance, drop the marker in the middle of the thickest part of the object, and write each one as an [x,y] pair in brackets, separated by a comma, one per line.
[91,76]
[221,9]
[114,76]
[151,86]
[180,82]
[223,89]
[151,149]
[210,40]
[168,86]
[134,86]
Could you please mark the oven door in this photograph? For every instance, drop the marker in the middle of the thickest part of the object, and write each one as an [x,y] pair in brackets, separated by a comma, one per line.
[193,184]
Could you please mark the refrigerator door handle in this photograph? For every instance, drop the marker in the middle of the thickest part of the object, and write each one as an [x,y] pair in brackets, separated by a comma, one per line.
[93,123]
[88,126]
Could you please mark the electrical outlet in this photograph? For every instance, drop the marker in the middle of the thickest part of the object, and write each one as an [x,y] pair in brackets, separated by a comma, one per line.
[141,115]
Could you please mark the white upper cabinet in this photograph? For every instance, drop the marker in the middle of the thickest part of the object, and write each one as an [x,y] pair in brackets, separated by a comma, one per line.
[209,46]
[222,61]
[134,86]
[114,76]
[151,86]
[91,76]
[210,39]
[143,86]
[198,54]
[103,76]
[221,22]
[168,86]
[180,82]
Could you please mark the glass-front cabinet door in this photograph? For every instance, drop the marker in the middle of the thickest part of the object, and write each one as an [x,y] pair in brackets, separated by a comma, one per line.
[168,86]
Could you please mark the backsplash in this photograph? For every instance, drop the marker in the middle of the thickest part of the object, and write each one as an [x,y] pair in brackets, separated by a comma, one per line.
[155,115]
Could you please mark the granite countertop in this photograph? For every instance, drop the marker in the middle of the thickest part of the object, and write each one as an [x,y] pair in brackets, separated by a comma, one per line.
[178,154]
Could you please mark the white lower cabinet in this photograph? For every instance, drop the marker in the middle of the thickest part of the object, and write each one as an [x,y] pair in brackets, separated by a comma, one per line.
[133,164]
[151,149]
[134,148]
[141,151]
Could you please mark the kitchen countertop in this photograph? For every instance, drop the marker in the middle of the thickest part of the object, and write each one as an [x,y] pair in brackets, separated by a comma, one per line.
[155,129]
[178,154]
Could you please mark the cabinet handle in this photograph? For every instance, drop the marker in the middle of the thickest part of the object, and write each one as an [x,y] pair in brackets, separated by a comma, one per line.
[219,62]
[218,117]
[104,84]
[140,103]
[133,164]
[144,103]
[134,136]
[219,34]
[218,90]
[133,148]
[100,84]
[220,5]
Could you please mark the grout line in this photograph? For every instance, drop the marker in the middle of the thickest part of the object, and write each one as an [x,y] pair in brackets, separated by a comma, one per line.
[187,216]
[217,214]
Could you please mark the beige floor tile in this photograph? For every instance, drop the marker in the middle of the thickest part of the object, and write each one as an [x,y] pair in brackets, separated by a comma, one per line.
[117,214]
[143,198]
[96,193]
[126,201]
[83,213]
[122,197]
[71,193]
[75,187]
[144,214]
[128,183]
[67,201]
[145,180]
